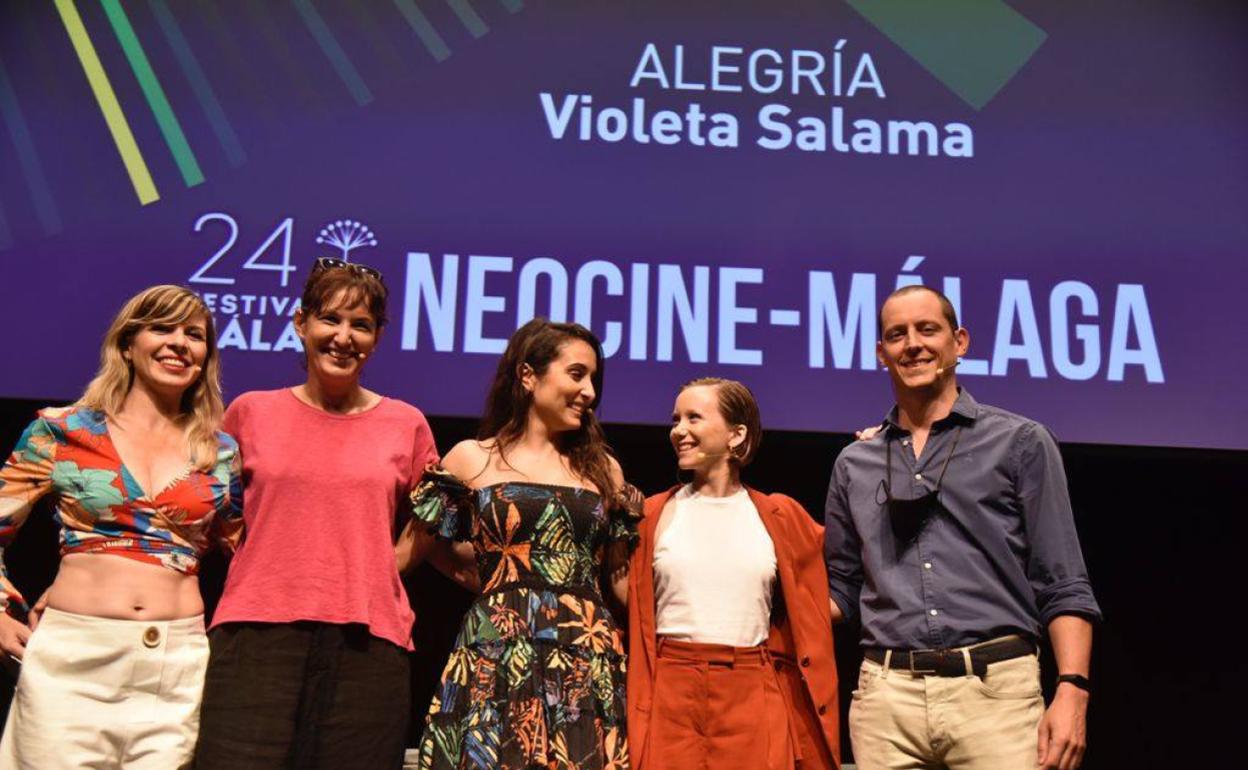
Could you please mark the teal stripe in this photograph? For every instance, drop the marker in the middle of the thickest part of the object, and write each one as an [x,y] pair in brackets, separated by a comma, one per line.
[512,5]
[974,47]
[199,83]
[378,39]
[170,129]
[6,235]
[423,29]
[32,170]
[468,16]
[333,51]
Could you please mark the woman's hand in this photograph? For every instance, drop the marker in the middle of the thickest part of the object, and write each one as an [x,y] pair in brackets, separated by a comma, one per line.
[866,434]
[13,636]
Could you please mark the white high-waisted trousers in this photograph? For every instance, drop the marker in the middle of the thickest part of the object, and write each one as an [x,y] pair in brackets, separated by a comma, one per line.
[101,693]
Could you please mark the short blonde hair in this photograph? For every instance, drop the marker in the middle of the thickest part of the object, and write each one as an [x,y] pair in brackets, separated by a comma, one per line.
[737,406]
[202,405]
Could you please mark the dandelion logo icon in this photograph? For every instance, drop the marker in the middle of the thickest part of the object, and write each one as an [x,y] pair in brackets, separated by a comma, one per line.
[346,235]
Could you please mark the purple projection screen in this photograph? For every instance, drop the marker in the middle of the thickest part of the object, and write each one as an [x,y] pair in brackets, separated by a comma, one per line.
[723,188]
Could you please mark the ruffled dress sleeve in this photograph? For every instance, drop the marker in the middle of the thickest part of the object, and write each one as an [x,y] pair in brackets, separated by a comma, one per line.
[625,514]
[444,504]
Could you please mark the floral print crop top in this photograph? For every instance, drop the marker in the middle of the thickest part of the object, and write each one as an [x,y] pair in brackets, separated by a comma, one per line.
[101,508]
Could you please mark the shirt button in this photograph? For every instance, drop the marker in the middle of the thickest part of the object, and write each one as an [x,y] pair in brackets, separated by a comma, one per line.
[932,612]
[918,477]
[905,442]
[151,637]
[805,662]
[927,565]
[822,709]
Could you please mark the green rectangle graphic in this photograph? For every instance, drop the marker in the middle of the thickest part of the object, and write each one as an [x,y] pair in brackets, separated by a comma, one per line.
[972,46]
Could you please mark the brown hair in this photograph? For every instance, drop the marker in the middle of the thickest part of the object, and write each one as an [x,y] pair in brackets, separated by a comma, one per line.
[201,406]
[537,343]
[737,406]
[946,307]
[356,287]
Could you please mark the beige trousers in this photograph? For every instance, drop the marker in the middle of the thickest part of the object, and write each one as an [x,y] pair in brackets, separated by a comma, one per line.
[902,721]
[101,693]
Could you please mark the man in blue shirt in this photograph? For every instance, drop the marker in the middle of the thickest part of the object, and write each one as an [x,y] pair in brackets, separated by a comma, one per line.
[950,534]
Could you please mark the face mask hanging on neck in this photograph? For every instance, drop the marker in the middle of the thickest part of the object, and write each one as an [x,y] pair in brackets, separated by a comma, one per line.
[908,517]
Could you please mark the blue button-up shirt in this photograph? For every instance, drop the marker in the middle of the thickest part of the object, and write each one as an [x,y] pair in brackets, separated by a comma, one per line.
[1002,557]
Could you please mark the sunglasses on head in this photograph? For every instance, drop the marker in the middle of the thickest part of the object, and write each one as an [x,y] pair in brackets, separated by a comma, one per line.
[333,263]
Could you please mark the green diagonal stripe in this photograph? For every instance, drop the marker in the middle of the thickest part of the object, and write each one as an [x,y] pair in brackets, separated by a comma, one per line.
[972,46]
[170,129]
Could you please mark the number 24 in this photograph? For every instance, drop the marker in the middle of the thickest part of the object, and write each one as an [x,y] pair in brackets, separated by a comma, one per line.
[282,231]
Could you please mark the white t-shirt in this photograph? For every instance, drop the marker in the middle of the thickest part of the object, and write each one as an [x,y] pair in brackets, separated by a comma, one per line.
[714,571]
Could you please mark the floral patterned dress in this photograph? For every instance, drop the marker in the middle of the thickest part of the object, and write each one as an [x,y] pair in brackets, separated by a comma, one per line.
[536,677]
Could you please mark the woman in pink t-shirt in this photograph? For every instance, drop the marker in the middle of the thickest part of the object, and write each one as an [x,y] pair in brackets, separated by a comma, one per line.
[310,642]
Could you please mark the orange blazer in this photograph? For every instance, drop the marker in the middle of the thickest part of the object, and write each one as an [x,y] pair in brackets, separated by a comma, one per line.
[801,632]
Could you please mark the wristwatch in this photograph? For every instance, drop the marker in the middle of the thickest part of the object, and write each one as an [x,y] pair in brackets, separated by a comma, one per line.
[1078,680]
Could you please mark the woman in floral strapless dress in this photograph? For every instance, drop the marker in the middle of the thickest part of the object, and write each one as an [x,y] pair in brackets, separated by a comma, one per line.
[537,675]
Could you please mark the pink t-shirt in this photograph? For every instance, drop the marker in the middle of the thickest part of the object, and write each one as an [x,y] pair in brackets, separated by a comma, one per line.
[320,493]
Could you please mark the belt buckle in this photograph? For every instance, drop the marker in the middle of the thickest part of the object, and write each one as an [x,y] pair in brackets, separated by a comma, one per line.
[916,670]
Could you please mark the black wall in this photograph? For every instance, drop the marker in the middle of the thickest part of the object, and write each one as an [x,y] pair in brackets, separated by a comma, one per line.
[1163,533]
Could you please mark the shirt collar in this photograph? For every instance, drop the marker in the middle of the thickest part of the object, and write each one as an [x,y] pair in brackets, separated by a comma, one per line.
[965,408]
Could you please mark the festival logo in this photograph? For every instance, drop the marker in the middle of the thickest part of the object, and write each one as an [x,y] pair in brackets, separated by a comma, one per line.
[346,235]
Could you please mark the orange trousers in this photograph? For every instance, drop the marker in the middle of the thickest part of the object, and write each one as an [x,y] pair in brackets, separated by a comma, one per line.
[718,708]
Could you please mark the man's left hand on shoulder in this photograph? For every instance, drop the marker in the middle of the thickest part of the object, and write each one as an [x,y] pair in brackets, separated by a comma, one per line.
[1064,729]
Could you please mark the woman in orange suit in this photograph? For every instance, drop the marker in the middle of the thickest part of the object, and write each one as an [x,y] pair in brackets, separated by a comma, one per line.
[730,646]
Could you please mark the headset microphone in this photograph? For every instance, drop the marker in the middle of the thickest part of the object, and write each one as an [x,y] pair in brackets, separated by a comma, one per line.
[940,370]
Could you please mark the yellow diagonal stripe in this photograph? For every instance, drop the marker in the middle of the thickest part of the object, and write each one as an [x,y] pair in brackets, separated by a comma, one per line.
[140,177]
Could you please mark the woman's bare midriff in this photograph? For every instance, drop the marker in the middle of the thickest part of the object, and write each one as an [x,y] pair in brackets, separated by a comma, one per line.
[109,586]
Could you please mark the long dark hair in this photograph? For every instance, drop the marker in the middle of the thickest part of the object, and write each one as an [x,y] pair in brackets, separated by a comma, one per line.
[537,343]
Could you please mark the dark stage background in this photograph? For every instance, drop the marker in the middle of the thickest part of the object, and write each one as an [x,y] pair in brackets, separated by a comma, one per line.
[1162,531]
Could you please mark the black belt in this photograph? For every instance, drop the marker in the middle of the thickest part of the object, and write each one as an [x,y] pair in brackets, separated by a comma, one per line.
[952,662]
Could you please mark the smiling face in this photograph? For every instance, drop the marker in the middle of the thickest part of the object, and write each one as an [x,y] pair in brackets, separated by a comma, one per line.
[168,357]
[700,435]
[917,344]
[337,338]
[565,390]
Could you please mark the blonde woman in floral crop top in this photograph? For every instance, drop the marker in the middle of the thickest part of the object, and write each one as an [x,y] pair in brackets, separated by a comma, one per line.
[113,660]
